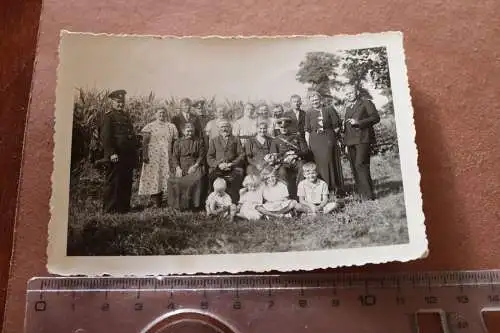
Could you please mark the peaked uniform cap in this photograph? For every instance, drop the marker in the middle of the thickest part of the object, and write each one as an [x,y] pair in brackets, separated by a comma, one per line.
[284,120]
[117,94]
[199,103]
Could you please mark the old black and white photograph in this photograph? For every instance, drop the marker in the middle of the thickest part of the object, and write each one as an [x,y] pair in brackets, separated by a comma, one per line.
[231,154]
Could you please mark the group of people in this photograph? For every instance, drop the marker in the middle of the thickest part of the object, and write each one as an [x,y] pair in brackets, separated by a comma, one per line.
[266,196]
[262,164]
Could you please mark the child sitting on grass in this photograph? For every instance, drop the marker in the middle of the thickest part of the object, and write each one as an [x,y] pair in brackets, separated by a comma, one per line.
[250,197]
[275,193]
[313,193]
[219,203]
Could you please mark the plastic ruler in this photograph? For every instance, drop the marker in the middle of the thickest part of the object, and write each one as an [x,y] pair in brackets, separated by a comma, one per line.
[319,303]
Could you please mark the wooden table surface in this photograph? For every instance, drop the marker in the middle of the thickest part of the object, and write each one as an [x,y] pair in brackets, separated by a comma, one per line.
[18,29]
[453,58]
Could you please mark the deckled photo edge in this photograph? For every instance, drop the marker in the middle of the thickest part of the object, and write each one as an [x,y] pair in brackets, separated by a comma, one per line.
[361,36]
[58,223]
[406,138]
[231,263]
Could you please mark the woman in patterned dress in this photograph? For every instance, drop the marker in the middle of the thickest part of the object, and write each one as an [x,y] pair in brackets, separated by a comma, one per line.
[322,126]
[159,137]
[186,188]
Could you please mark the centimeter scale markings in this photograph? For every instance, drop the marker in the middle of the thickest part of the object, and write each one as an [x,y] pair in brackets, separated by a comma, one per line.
[262,303]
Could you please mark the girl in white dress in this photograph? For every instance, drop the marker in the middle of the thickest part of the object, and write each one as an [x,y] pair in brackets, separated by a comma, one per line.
[159,137]
[276,198]
[250,197]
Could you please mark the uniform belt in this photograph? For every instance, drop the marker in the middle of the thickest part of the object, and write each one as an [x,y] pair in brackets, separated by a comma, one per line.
[323,131]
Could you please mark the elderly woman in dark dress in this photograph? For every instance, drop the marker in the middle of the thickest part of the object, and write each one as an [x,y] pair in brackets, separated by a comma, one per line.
[322,127]
[186,188]
[256,148]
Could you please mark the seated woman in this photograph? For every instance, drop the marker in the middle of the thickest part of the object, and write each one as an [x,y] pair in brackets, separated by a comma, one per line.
[186,188]
[276,200]
[256,148]
[263,117]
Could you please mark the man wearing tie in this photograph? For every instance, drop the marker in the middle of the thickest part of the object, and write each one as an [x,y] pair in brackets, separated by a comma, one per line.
[297,116]
[224,157]
[186,116]
[360,117]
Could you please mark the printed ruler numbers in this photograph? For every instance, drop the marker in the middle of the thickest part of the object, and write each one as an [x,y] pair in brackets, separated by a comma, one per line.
[260,303]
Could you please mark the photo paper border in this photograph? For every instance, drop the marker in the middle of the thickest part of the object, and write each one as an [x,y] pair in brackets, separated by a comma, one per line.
[60,263]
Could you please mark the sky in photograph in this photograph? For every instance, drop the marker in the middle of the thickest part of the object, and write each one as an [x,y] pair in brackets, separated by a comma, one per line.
[236,69]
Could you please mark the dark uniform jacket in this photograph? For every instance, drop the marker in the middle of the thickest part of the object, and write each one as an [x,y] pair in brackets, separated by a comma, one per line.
[220,151]
[286,142]
[366,114]
[298,124]
[118,137]
[179,121]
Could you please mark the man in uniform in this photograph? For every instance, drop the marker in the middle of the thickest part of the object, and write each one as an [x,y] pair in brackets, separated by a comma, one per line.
[360,117]
[120,154]
[293,150]
[224,157]
[276,114]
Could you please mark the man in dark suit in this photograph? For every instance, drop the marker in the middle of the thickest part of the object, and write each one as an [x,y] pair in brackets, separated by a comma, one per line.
[224,157]
[297,116]
[293,150]
[120,154]
[187,116]
[360,117]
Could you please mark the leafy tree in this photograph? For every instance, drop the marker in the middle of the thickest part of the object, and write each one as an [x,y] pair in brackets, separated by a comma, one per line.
[319,70]
[388,108]
[362,64]
[326,70]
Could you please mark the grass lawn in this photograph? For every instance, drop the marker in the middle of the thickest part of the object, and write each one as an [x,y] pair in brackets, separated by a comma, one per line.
[165,231]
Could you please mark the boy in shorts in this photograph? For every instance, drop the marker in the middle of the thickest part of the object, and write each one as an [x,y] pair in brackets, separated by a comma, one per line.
[313,193]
